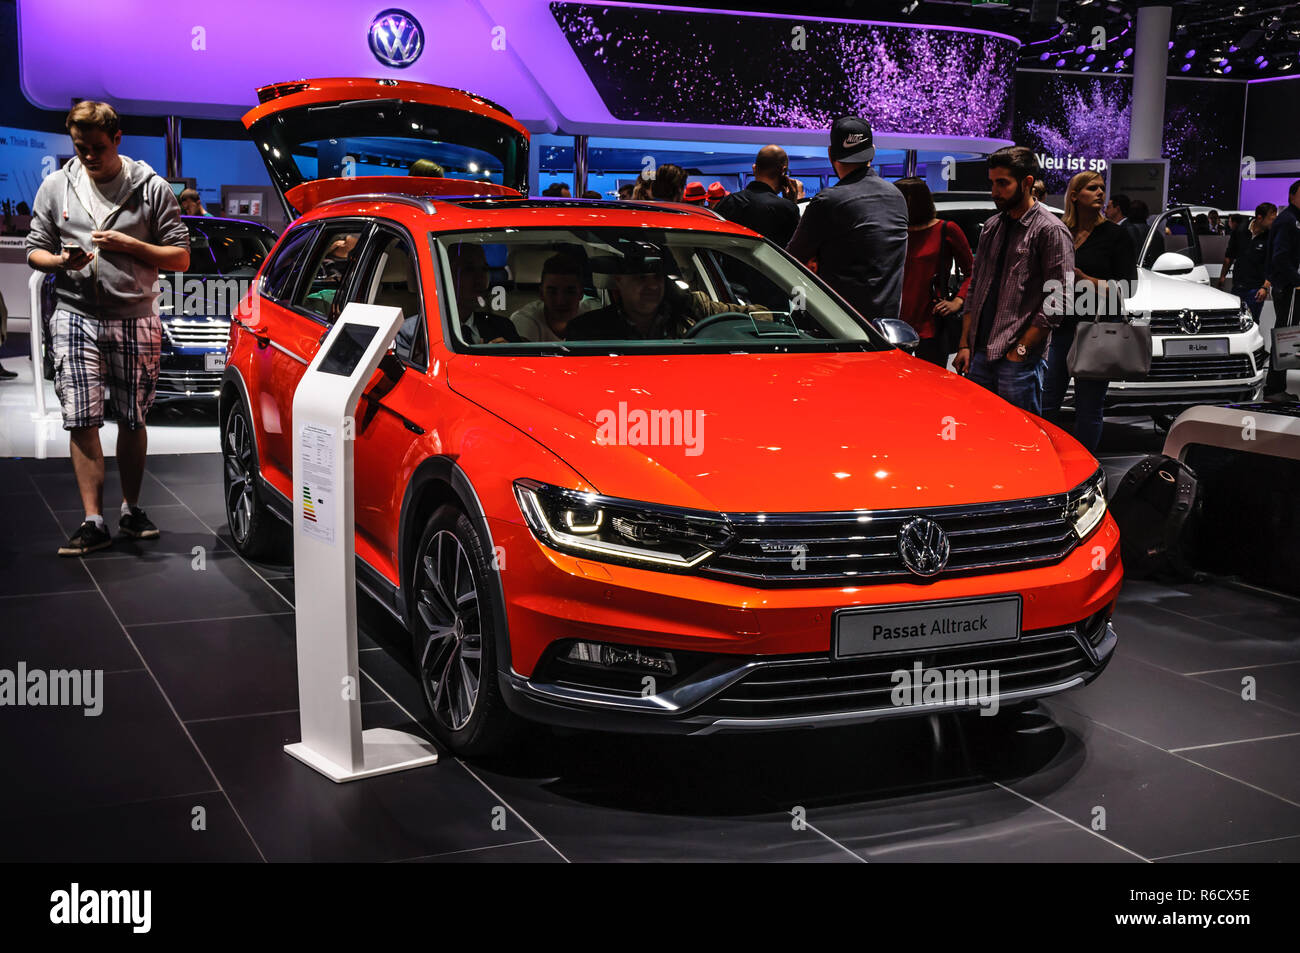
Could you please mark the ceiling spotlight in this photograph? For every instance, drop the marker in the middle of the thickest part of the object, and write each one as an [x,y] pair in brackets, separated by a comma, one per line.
[909,7]
[1189,54]
[1044,56]
[1264,65]
[1171,44]
[1128,52]
[1228,68]
[1060,63]
[1258,60]
[1186,67]
[1084,69]
[1232,47]
[1119,66]
[1090,58]
[1079,49]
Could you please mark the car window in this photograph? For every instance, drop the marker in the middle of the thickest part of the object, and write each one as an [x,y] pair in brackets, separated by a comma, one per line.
[392,279]
[277,279]
[1173,232]
[644,289]
[331,262]
[228,249]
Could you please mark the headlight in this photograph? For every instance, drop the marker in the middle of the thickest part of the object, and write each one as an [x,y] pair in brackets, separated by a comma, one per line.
[622,531]
[1086,504]
[1246,318]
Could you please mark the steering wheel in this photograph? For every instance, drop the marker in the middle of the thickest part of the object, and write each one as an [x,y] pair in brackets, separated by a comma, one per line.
[715,319]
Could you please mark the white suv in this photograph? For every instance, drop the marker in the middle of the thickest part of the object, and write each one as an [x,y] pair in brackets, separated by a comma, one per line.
[1206,347]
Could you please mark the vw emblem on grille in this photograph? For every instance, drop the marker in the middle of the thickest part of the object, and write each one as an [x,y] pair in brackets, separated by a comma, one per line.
[1189,321]
[923,545]
[396,38]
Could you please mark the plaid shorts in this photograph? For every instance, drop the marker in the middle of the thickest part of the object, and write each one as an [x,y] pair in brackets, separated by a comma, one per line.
[91,356]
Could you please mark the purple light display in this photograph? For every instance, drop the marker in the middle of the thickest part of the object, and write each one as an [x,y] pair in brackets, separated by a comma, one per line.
[1067,116]
[709,68]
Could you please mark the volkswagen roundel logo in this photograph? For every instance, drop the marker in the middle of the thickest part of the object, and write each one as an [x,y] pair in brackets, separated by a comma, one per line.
[1189,321]
[923,545]
[396,38]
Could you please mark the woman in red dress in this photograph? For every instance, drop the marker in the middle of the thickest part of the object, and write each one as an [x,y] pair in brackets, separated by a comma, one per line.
[934,246]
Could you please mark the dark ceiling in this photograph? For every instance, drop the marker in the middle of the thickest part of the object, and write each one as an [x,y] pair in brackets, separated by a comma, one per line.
[1233,39]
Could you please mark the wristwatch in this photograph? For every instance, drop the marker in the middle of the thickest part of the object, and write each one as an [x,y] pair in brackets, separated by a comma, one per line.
[1021,350]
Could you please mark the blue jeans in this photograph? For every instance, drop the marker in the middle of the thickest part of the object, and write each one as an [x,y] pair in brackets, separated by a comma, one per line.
[1089,396]
[1247,296]
[1016,382]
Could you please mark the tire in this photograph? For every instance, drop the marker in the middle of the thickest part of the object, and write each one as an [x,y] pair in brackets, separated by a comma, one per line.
[254,529]
[453,638]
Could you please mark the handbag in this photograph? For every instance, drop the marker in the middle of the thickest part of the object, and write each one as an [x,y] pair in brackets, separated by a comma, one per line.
[944,286]
[1110,351]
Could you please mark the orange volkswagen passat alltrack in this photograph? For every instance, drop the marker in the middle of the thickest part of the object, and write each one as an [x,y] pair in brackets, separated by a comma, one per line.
[632,467]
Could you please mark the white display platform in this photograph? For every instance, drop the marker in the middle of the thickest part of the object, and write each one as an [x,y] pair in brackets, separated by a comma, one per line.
[329,688]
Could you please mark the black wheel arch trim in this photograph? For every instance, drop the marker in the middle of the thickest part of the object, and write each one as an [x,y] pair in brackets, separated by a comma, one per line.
[445,470]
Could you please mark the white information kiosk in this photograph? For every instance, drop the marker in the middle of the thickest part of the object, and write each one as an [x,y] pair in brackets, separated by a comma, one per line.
[329,689]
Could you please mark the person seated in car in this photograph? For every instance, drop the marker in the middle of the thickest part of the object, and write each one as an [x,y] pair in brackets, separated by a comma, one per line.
[647,305]
[561,300]
[471,275]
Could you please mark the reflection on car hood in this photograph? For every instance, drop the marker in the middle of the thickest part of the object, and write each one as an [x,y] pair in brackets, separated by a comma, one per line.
[1157,292]
[779,433]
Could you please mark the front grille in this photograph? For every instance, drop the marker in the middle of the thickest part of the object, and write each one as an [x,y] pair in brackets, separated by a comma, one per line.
[1212,322]
[822,685]
[797,549]
[188,382]
[1220,367]
[206,334]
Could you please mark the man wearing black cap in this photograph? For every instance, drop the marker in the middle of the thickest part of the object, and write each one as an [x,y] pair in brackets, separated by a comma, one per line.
[856,230]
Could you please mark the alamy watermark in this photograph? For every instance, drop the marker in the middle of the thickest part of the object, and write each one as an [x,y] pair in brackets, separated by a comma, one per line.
[74,688]
[958,687]
[651,428]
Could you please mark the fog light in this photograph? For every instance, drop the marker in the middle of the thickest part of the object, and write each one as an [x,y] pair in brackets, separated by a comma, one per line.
[658,661]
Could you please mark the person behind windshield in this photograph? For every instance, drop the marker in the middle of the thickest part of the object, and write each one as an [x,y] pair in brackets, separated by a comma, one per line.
[471,275]
[645,307]
[561,300]
[191,203]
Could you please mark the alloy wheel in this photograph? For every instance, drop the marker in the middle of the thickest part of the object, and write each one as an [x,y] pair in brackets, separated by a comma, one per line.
[451,659]
[238,451]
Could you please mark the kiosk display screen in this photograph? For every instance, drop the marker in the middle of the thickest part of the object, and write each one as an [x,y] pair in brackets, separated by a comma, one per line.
[345,353]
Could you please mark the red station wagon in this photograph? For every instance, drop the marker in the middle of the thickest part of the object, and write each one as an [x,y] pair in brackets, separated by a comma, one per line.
[720,500]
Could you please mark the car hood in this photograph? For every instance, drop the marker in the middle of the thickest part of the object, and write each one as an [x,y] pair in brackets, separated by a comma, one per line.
[776,433]
[1157,292]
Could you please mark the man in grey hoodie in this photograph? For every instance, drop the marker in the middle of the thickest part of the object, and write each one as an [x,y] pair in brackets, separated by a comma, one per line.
[105,225]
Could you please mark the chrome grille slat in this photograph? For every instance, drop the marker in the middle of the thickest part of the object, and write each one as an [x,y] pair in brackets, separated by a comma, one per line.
[207,334]
[1218,367]
[1212,322]
[806,686]
[783,549]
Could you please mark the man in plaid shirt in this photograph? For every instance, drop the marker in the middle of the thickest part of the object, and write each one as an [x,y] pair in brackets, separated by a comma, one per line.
[1024,268]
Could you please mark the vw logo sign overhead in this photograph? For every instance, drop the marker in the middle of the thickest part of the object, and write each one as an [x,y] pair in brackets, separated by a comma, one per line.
[396,38]
[923,545]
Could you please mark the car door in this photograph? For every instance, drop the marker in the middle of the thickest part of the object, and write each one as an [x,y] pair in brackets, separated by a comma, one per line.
[301,319]
[395,408]
[1174,233]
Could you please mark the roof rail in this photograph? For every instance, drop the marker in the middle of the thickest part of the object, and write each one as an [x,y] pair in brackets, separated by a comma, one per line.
[424,205]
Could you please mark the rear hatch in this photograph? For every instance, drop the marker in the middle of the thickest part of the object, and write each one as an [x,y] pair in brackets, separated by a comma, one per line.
[325,138]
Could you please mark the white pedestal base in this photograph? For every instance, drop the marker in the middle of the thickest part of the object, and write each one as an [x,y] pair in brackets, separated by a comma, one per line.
[386,751]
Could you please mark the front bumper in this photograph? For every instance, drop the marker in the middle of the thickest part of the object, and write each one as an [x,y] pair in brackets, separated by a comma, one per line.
[743,647]
[731,695]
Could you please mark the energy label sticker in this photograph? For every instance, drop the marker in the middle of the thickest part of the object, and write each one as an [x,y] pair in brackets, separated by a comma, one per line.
[316,495]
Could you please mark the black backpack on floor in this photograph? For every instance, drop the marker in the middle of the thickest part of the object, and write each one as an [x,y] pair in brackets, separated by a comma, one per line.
[1156,506]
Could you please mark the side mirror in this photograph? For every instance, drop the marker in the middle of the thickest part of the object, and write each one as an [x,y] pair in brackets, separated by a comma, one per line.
[899,333]
[1172,263]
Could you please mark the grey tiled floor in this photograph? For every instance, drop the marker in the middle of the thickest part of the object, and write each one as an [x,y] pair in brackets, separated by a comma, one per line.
[1160,759]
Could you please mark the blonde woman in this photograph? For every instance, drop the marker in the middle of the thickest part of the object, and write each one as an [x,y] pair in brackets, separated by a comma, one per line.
[1103,252]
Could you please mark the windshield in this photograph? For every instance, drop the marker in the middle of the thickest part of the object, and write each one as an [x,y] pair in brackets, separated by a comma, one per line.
[603,290]
[227,249]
